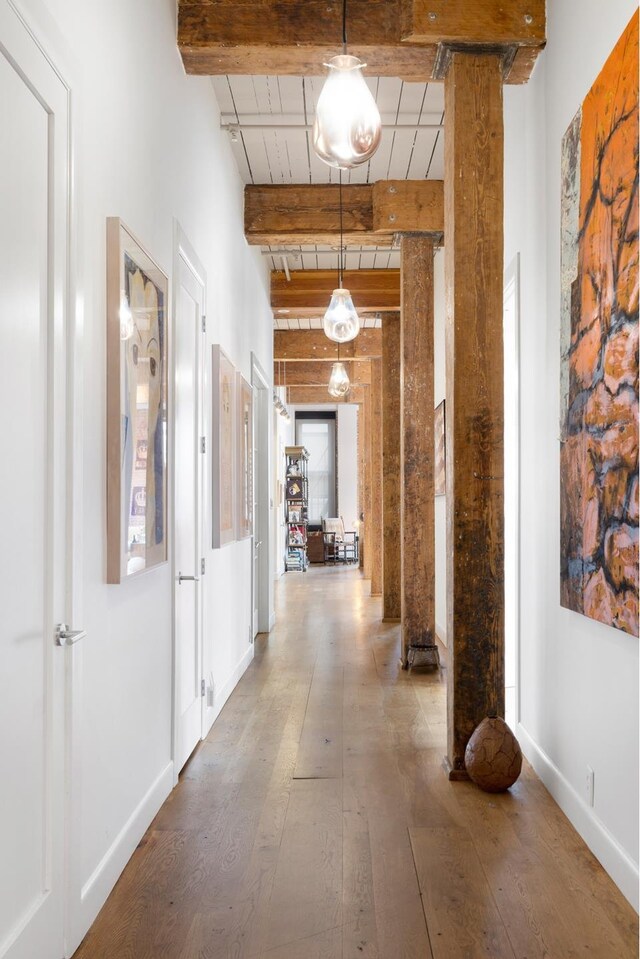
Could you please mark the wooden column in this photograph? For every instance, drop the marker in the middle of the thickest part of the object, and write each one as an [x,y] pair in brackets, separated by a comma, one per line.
[474,408]
[366,429]
[376,478]
[416,444]
[391,466]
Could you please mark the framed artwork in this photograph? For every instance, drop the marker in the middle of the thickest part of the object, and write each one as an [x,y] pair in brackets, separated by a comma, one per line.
[294,488]
[136,406]
[599,347]
[223,388]
[440,451]
[244,434]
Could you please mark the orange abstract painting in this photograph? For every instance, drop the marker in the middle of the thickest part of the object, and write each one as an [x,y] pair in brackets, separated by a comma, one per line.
[599,366]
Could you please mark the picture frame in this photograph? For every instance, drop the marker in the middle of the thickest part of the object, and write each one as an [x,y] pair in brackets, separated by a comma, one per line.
[223,443]
[244,456]
[439,451]
[137,327]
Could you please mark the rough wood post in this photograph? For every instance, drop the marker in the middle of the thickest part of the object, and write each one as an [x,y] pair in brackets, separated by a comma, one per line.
[391,466]
[376,477]
[416,444]
[366,423]
[474,409]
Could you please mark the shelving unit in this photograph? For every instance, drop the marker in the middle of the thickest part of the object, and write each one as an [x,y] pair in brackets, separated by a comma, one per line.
[296,503]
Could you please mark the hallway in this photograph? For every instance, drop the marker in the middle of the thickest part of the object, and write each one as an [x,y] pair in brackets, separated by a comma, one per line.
[316,822]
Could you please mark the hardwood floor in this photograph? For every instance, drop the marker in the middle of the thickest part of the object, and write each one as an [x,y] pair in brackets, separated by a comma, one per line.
[316,822]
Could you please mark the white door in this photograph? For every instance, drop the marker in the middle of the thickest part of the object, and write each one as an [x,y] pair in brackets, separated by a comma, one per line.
[261,500]
[257,542]
[34,560]
[188,313]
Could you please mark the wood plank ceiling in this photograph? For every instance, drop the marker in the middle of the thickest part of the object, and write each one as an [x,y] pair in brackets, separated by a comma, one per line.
[271,154]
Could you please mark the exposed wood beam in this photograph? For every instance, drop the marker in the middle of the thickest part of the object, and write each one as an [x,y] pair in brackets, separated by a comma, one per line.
[474,145]
[318,395]
[281,214]
[308,292]
[315,373]
[416,446]
[300,345]
[376,477]
[397,38]
[391,589]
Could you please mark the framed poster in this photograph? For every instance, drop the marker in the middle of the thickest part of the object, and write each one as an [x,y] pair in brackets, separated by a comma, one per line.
[244,452]
[136,406]
[440,451]
[599,347]
[223,423]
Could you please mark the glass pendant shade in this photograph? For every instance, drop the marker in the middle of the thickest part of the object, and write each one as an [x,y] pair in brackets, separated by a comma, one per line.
[339,380]
[340,322]
[347,126]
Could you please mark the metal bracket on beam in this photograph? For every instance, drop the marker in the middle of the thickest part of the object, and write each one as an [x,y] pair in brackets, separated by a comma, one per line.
[446,50]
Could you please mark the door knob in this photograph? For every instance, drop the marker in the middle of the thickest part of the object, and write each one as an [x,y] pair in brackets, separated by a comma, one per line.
[64,636]
[181,576]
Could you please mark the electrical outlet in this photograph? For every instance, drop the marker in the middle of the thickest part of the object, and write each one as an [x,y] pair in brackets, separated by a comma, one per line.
[590,785]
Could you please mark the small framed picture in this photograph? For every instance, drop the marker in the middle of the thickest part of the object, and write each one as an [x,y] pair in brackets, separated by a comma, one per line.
[136,406]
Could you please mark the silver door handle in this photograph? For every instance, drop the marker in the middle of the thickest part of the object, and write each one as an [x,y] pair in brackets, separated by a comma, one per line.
[67,637]
[194,579]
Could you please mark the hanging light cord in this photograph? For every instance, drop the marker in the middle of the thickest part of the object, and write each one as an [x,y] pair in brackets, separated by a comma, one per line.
[341,254]
[344,26]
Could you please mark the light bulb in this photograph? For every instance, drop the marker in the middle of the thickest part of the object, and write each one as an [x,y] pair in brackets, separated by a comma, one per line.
[126,318]
[347,126]
[340,322]
[339,380]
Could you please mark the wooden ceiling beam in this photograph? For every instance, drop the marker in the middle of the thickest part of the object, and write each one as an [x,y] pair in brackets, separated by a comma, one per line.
[318,395]
[307,293]
[303,345]
[303,214]
[396,38]
[316,373]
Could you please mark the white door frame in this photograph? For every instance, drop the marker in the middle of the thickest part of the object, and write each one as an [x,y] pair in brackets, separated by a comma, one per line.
[512,293]
[185,256]
[261,485]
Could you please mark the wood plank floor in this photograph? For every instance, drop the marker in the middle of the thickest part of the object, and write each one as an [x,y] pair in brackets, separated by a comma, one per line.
[316,822]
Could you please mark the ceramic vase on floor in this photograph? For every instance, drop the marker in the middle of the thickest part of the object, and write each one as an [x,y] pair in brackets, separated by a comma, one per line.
[493,757]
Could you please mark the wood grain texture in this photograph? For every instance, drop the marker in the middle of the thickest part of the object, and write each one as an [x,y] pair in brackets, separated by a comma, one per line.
[474,392]
[394,37]
[368,478]
[387,859]
[412,206]
[310,213]
[416,443]
[295,345]
[317,374]
[319,394]
[308,292]
[376,478]
[391,605]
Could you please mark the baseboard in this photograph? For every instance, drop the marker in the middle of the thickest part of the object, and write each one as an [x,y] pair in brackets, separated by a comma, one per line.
[272,621]
[614,859]
[104,877]
[441,633]
[225,691]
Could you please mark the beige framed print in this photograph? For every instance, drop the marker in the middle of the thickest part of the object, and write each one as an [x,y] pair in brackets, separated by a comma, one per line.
[223,424]
[244,458]
[137,297]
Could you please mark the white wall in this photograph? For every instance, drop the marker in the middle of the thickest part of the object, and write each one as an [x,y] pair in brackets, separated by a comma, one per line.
[147,148]
[578,678]
[438,396]
[347,424]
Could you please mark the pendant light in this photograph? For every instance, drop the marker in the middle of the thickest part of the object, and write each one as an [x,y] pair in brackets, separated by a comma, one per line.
[347,126]
[340,322]
[338,381]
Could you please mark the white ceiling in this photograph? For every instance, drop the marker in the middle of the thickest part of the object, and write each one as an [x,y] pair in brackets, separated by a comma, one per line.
[276,155]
